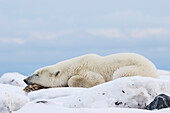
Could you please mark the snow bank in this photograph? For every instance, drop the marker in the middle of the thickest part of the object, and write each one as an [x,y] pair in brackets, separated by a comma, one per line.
[57,108]
[11,101]
[127,92]
[15,79]
[163,72]
[12,96]
[55,93]
[11,89]
[116,96]
[44,108]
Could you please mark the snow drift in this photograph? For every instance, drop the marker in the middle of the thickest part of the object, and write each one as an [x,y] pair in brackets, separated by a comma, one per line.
[128,92]
[15,79]
[114,96]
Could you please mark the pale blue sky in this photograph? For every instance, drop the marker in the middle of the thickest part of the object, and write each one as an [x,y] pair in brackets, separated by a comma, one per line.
[36,33]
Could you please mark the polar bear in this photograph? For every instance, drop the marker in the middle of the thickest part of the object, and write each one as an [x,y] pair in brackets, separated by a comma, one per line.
[90,70]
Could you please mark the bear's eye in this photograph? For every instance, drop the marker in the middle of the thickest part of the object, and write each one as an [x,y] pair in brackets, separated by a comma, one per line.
[36,75]
[57,73]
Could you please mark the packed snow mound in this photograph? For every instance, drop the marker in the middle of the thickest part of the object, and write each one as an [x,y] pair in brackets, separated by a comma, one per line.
[127,92]
[11,89]
[56,108]
[53,93]
[11,102]
[163,72]
[115,96]
[12,98]
[15,79]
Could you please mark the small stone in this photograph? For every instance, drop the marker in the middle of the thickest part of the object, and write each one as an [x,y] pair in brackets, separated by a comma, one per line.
[41,102]
[118,103]
[123,91]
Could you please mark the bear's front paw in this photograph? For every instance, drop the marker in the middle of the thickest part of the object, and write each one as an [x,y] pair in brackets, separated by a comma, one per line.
[33,87]
[78,81]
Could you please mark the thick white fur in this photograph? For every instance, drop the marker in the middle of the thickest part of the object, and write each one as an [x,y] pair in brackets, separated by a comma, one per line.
[91,69]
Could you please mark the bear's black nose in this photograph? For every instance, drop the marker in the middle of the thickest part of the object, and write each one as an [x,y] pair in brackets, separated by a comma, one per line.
[25,81]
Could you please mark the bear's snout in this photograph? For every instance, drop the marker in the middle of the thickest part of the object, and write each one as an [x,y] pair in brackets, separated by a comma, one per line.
[27,82]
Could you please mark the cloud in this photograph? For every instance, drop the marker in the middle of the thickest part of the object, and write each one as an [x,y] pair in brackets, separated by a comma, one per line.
[138,16]
[12,40]
[74,35]
[141,33]
[126,14]
[107,33]
[129,33]
[162,49]
[50,35]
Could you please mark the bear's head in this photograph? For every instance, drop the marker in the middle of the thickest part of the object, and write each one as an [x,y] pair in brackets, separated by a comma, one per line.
[48,77]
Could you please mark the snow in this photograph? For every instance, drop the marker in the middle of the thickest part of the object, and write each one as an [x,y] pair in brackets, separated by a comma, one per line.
[12,98]
[54,93]
[54,108]
[123,95]
[15,79]
[163,72]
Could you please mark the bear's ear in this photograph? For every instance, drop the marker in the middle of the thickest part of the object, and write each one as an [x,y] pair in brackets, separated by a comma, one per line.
[42,71]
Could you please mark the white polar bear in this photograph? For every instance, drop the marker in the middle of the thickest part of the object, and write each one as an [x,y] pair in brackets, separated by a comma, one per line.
[91,69]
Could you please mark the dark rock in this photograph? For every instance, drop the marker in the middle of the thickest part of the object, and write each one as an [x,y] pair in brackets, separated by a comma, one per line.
[161,101]
[123,91]
[118,103]
[41,102]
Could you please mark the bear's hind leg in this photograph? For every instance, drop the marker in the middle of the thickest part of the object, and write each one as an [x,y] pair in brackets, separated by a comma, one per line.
[135,70]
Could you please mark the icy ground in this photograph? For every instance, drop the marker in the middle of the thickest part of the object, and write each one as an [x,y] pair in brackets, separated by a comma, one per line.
[123,95]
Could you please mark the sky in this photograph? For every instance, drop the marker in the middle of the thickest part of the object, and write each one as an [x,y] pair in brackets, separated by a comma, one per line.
[37,33]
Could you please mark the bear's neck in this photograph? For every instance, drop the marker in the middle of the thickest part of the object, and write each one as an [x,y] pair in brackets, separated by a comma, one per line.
[73,66]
